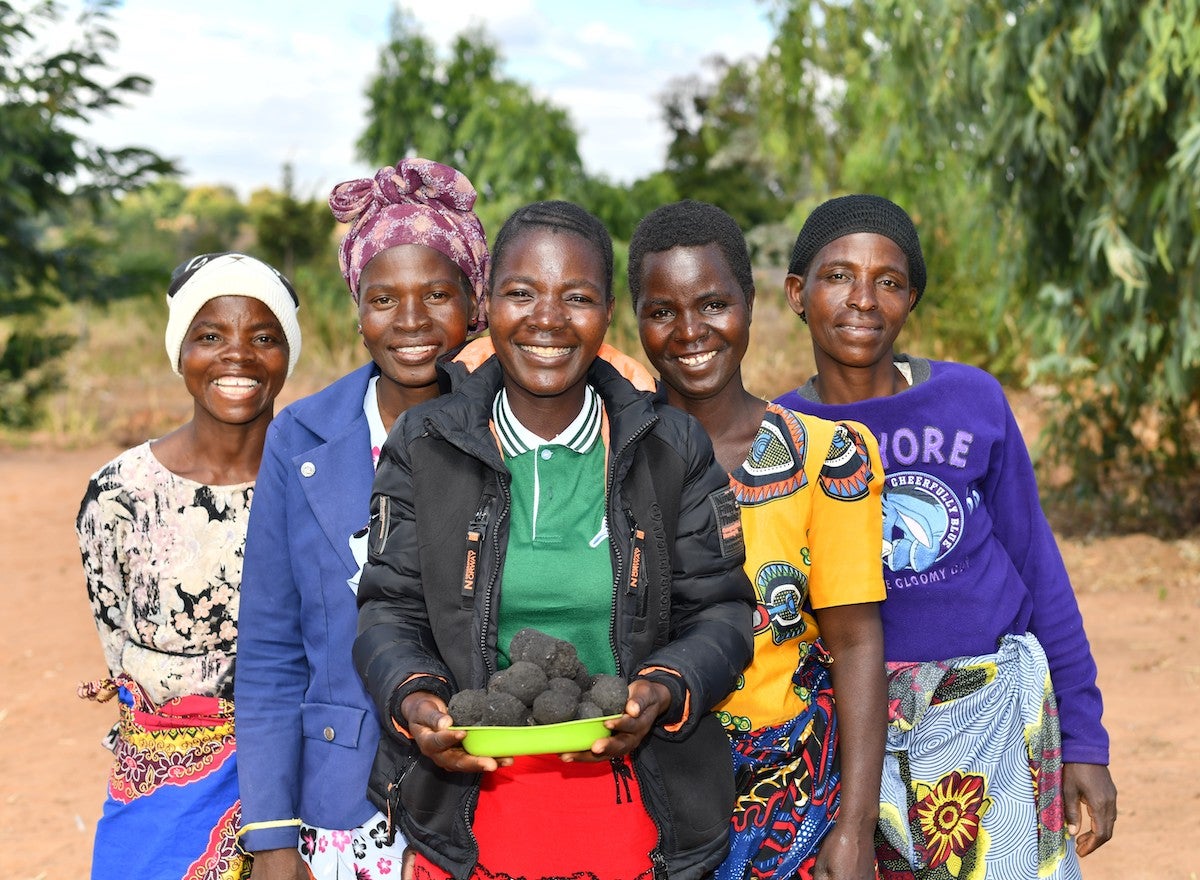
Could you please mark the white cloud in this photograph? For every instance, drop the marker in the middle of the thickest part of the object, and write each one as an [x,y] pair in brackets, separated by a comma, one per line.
[240,88]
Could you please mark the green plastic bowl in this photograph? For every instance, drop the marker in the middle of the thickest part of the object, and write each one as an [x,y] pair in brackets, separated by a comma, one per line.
[535,739]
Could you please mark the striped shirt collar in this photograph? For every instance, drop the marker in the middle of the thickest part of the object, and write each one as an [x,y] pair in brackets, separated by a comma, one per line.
[579,436]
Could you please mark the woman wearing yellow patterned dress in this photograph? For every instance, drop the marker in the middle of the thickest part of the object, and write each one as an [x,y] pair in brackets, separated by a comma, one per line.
[809,490]
[161,531]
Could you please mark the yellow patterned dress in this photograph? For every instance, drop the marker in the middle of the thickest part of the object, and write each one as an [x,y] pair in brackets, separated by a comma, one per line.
[809,492]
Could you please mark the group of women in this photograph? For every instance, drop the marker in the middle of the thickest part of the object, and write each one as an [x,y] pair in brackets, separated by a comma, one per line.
[719,552]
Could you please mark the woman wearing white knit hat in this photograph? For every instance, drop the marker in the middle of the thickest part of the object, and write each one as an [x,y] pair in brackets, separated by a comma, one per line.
[161,531]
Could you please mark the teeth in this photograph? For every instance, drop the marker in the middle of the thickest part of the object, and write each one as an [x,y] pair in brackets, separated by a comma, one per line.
[415,349]
[546,350]
[235,382]
[696,360]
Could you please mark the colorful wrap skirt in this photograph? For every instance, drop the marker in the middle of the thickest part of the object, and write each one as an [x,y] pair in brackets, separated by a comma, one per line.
[972,776]
[172,811]
[788,782]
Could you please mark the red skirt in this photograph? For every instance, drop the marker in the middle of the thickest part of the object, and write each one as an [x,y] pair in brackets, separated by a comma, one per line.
[542,818]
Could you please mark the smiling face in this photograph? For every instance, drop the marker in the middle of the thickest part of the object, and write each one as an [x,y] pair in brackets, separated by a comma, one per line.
[694,321]
[234,360]
[856,296]
[548,311]
[414,304]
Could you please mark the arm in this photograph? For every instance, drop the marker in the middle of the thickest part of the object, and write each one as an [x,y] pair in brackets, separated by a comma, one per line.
[712,601]
[854,636]
[395,652]
[271,674]
[99,526]
[846,585]
[1012,496]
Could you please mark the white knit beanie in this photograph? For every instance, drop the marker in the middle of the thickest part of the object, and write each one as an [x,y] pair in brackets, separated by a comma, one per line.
[208,276]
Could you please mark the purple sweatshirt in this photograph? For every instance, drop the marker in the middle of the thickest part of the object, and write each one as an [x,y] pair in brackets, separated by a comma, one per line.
[968,554]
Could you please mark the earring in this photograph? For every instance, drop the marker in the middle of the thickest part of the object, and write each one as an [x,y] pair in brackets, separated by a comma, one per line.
[803,317]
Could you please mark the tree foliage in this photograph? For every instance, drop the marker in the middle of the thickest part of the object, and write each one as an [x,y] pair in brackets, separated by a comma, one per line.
[715,154]
[48,173]
[289,230]
[514,146]
[1086,118]
[45,164]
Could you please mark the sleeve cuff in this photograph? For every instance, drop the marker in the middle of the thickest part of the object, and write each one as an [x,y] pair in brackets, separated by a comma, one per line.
[274,834]
[675,715]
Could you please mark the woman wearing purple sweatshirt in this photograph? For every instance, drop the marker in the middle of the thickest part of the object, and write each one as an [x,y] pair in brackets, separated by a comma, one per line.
[987,656]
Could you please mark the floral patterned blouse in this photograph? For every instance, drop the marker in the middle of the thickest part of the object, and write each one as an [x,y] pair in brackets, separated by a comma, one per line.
[163,559]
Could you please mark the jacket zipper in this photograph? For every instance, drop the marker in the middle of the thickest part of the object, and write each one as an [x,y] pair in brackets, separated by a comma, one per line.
[619,573]
[489,587]
[656,857]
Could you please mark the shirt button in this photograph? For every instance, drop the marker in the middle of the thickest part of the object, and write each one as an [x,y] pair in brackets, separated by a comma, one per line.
[329,734]
[308,469]
[547,454]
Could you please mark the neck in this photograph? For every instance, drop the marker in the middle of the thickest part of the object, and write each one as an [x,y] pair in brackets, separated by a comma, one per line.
[836,384]
[214,453]
[546,416]
[730,419]
[394,399]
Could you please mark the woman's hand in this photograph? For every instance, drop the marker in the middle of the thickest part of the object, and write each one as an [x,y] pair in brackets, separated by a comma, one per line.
[279,864]
[647,700]
[429,721]
[1089,784]
[846,855]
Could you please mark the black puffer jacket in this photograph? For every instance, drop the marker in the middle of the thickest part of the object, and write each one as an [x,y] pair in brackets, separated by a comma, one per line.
[426,624]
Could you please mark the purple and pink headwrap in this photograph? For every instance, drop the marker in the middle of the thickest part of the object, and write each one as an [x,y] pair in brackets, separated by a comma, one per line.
[417,202]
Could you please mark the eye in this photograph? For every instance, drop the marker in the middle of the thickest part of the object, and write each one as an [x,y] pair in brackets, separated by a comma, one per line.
[438,295]
[661,314]
[266,339]
[715,305]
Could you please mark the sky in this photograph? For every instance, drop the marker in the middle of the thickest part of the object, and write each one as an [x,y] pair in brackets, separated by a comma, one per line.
[240,88]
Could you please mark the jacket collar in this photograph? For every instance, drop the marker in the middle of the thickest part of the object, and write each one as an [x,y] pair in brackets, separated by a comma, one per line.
[463,416]
[337,406]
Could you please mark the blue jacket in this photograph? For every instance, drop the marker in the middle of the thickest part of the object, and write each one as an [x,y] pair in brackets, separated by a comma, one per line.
[306,729]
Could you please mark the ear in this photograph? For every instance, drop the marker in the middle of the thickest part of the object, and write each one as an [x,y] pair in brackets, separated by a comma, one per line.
[608,313]
[750,306]
[793,287]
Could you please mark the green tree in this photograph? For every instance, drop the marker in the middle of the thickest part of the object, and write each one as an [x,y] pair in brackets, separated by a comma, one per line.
[513,146]
[714,154]
[1086,117]
[48,170]
[290,231]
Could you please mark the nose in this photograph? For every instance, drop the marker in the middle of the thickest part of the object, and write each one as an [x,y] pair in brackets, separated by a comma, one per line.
[548,312]
[240,350]
[690,326]
[862,295]
[411,314]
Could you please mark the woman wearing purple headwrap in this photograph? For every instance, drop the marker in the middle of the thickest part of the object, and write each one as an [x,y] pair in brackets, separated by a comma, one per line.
[415,259]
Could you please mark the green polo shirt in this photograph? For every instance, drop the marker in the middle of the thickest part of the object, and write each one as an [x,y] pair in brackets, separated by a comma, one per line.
[558,574]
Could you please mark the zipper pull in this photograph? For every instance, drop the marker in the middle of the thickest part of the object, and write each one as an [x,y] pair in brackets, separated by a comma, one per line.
[636,539]
[476,532]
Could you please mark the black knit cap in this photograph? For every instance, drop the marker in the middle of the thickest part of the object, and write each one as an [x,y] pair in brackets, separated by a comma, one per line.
[846,215]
